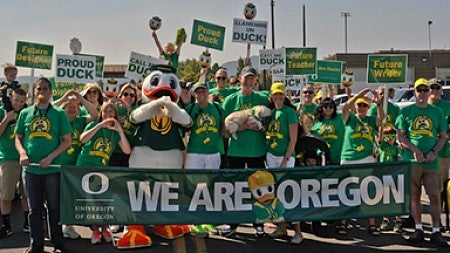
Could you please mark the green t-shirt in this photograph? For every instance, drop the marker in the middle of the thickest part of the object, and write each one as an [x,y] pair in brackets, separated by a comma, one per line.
[332,132]
[445,107]
[422,126]
[42,130]
[222,94]
[389,153]
[392,112]
[250,143]
[8,150]
[172,58]
[278,130]
[124,119]
[205,135]
[99,148]
[307,109]
[69,157]
[358,138]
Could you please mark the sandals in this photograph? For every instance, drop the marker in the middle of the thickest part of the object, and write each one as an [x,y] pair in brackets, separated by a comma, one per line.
[373,230]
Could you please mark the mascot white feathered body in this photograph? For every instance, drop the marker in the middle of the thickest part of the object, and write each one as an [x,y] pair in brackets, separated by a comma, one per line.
[157,143]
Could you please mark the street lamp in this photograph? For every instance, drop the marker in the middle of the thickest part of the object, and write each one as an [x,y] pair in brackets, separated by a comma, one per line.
[75,45]
[345,15]
[429,41]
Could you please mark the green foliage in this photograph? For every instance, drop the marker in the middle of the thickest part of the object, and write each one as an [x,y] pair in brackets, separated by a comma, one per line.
[189,70]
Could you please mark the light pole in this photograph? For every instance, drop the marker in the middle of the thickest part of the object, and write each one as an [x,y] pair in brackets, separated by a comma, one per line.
[345,15]
[429,41]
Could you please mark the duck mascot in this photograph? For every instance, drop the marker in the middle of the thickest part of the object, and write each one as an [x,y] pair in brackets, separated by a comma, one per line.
[157,143]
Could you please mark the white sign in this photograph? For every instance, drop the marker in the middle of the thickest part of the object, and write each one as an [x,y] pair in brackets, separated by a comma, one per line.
[75,68]
[249,31]
[139,66]
[295,82]
[274,61]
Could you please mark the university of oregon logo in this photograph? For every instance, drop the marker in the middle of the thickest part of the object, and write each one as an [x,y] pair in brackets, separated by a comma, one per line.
[40,127]
[363,131]
[102,148]
[273,129]
[327,131]
[422,126]
[161,124]
[206,122]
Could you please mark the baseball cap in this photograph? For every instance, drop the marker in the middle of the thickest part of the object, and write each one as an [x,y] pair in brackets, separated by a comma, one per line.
[277,87]
[421,81]
[363,100]
[248,71]
[435,81]
[199,85]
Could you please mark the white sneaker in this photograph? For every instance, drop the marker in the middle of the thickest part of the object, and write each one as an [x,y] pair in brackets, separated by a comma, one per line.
[96,237]
[106,235]
[69,232]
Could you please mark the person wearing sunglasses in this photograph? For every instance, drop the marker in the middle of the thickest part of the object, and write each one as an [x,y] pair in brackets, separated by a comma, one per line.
[92,92]
[329,126]
[221,91]
[436,99]
[359,136]
[421,130]
[306,105]
[125,102]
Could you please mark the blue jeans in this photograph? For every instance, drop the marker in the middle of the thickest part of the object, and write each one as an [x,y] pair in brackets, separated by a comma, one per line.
[43,189]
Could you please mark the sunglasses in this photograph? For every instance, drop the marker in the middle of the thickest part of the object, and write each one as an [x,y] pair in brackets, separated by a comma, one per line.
[362,105]
[435,87]
[390,136]
[126,94]
[223,78]
[92,91]
[308,92]
[328,105]
[424,90]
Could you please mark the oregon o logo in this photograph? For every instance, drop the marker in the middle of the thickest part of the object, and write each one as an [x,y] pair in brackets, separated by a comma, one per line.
[104,183]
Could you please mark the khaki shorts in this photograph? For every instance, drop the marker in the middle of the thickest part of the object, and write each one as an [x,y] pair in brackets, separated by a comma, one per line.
[428,178]
[10,176]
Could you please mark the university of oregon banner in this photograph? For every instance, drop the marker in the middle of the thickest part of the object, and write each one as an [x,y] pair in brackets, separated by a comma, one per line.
[113,195]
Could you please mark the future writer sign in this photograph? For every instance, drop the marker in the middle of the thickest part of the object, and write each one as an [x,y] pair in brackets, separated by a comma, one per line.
[116,195]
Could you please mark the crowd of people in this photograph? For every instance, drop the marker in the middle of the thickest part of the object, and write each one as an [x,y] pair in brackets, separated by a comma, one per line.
[67,132]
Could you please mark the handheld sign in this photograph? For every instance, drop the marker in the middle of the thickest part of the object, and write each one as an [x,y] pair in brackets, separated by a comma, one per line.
[301,61]
[273,60]
[99,65]
[327,72]
[139,66]
[34,55]
[249,31]
[75,68]
[387,68]
[207,35]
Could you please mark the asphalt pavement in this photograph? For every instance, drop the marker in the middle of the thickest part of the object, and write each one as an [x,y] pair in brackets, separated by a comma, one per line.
[323,239]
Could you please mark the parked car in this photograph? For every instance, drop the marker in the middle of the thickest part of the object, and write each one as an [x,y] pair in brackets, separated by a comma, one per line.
[403,103]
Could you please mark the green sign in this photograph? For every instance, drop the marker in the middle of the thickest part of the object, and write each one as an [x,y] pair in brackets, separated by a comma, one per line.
[119,195]
[59,88]
[387,68]
[208,35]
[33,55]
[327,72]
[301,61]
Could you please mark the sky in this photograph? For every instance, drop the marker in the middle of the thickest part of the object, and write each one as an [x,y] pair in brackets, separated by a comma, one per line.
[114,28]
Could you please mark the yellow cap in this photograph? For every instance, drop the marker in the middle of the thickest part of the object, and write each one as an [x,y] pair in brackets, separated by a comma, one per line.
[278,87]
[260,178]
[421,81]
[363,100]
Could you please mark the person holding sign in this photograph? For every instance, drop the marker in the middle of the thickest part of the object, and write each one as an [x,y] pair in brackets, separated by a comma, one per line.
[43,133]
